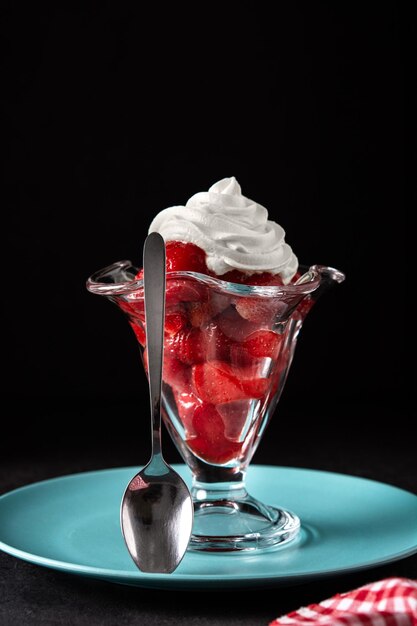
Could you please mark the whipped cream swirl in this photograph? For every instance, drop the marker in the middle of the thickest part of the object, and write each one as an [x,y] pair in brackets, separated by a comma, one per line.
[234,232]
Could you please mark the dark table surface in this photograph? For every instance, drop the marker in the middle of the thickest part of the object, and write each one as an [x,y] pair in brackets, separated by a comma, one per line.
[35,595]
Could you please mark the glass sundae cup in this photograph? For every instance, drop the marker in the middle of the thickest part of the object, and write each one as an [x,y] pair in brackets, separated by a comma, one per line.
[228,350]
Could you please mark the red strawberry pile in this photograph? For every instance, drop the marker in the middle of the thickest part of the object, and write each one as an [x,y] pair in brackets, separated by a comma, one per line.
[220,352]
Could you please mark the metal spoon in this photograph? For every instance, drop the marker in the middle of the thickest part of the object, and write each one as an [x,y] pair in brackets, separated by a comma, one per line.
[157,510]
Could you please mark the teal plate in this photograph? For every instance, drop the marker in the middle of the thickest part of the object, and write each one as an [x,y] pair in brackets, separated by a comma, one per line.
[72,524]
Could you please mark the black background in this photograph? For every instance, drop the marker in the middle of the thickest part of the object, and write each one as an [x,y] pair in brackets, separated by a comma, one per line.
[112,113]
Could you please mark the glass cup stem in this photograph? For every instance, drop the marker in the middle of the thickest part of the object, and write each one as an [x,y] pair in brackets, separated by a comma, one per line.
[227,518]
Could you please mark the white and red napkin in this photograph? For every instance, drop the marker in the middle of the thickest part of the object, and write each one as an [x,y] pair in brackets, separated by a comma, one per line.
[388,602]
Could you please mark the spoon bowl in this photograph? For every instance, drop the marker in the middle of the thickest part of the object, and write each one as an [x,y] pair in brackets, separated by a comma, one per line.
[157,518]
[157,510]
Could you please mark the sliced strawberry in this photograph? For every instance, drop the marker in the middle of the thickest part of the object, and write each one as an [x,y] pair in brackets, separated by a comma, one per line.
[305,305]
[195,345]
[262,310]
[145,360]
[265,279]
[185,257]
[199,313]
[223,452]
[263,343]
[251,352]
[218,382]
[208,423]
[210,442]
[234,276]
[186,403]
[277,378]
[175,373]
[139,275]
[234,326]
[125,306]
[184,290]
[255,387]
[139,332]
[175,320]
[219,302]
[216,344]
[133,305]
[188,345]
[239,357]
[235,416]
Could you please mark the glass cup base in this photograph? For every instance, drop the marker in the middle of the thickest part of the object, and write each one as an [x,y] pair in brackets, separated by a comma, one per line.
[237,524]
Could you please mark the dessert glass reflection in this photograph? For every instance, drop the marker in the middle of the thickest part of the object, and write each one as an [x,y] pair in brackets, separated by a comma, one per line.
[229,343]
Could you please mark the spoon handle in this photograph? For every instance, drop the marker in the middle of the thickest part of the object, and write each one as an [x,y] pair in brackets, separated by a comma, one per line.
[154,286]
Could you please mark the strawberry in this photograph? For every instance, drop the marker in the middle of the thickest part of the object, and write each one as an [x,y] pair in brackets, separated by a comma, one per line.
[175,320]
[133,305]
[219,302]
[145,360]
[193,345]
[255,387]
[235,416]
[186,403]
[234,326]
[234,276]
[177,290]
[188,345]
[175,373]
[216,344]
[261,279]
[277,378]
[218,382]
[199,313]
[185,257]
[210,443]
[221,453]
[208,423]
[139,332]
[251,352]
[261,310]
[305,305]
[184,290]
[239,357]
[263,343]
[265,279]
[182,257]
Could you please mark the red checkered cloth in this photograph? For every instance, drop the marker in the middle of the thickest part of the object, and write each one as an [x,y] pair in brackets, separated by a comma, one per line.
[388,602]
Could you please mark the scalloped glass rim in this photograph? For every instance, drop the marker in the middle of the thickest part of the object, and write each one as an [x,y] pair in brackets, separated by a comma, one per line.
[306,284]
